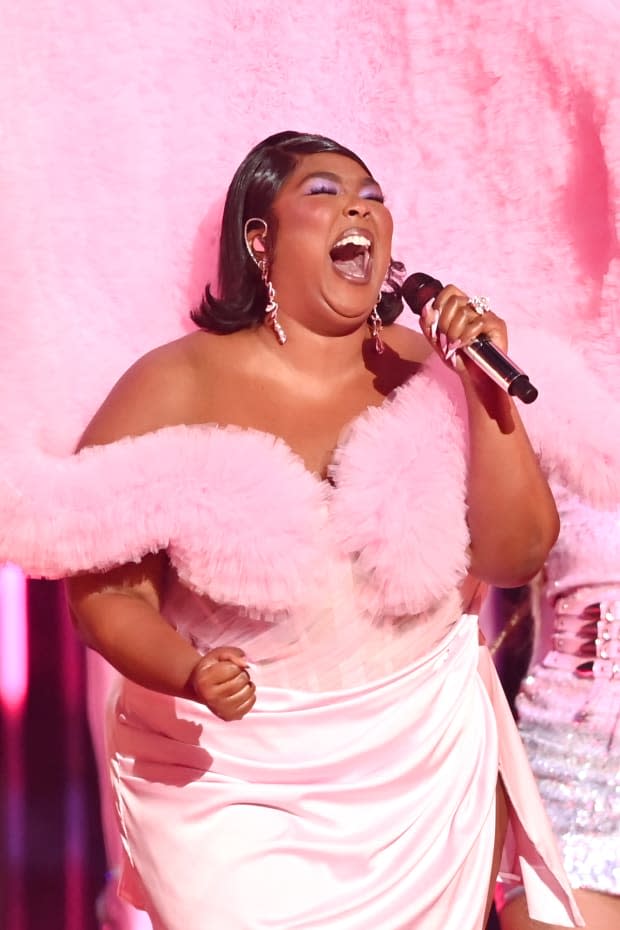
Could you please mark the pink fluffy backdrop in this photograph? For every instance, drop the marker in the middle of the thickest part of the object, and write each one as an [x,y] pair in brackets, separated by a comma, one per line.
[493,126]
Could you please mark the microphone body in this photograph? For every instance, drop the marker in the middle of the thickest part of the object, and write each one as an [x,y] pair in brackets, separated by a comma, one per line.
[419,288]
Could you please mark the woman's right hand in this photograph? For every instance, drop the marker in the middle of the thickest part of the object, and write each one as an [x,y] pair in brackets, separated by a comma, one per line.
[221,681]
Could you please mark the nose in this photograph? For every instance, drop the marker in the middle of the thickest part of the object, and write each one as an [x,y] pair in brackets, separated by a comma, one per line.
[357,207]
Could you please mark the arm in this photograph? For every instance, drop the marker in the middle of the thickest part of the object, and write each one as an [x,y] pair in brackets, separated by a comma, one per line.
[511,514]
[118,612]
[512,517]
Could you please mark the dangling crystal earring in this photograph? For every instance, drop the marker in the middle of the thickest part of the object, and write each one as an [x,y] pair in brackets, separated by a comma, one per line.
[271,310]
[376,328]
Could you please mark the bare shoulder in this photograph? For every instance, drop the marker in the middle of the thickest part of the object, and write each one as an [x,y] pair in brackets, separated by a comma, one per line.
[407,343]
[160,389]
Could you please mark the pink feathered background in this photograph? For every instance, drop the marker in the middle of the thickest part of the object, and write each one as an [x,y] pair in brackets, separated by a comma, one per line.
[494,127]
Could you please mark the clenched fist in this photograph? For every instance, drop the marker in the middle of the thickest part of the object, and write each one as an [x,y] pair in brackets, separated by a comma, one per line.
[222,682]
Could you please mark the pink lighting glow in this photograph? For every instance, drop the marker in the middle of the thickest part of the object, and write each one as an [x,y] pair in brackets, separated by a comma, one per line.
[13,639]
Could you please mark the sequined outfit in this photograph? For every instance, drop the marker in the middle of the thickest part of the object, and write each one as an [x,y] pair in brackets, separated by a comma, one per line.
[569,705]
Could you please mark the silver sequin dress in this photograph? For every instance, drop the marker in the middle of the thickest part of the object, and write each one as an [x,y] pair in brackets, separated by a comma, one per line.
[569,704]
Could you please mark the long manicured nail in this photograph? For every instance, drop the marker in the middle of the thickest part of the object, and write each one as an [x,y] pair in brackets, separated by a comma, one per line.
[430,316]
[452,348]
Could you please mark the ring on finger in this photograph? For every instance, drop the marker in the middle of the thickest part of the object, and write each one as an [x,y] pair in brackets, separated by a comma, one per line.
[479,304]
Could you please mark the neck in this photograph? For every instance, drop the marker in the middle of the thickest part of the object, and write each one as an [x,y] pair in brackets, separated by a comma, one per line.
[314,354]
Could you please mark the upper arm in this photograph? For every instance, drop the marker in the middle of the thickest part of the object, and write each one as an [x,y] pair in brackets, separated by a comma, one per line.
[91,595]
[152,394]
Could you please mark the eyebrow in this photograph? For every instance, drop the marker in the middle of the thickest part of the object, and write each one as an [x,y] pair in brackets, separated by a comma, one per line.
[337,178]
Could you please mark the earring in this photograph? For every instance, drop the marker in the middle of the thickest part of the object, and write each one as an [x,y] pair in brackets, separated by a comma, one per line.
[376,327]
[271,310]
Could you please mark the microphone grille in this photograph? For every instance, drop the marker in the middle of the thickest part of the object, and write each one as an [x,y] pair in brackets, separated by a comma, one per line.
[418,289]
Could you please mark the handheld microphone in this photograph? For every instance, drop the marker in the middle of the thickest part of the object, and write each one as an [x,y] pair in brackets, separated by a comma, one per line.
[419,288]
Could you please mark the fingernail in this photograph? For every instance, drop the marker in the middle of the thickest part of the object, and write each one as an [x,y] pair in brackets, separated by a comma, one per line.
[452,349]
[430,316]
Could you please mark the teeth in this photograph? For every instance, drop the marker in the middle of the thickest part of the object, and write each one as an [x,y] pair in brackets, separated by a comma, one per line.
[353,239]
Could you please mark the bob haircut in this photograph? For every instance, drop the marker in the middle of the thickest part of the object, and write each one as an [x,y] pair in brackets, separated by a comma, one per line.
[242,294]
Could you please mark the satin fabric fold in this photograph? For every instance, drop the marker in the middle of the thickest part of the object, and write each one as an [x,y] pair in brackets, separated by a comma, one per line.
[354,809]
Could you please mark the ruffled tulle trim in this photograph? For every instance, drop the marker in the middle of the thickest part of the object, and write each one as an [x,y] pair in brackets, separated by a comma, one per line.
[241,517]
[237,511]
[245,522]
[400,507]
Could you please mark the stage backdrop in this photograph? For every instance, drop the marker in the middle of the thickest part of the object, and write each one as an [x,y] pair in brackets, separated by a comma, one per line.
[493,127]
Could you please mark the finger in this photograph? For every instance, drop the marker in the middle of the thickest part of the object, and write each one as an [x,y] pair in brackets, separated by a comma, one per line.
[453,313]
[220,673]
[452,324]
[230,654]
[247,706]
[495,329]
[214,696]
[460,324]
[464,329]
[240,710]
[239,685]
[448,295]
[429,318]
[232,709]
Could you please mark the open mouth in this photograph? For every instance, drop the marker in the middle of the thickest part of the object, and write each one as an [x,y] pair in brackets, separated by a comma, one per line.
[351,256]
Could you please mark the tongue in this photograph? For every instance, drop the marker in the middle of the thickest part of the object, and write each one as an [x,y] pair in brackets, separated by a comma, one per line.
[355,267]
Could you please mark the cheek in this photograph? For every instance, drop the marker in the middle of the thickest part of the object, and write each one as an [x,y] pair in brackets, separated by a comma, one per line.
[386,227]
[314,215]
[304,233]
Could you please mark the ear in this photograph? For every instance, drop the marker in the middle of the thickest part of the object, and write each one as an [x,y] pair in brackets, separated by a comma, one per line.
[255,232]
[256,242]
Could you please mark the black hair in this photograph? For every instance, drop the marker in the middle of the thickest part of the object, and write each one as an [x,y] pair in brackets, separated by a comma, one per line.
[242,294]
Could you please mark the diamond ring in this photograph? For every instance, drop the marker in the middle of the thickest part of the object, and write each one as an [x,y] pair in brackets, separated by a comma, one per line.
[479,304]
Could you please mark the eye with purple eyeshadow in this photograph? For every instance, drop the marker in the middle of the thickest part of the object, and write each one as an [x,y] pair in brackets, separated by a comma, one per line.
[330,186]
[321,186]
[372,193]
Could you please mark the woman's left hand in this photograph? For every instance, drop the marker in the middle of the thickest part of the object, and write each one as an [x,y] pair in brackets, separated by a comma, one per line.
[450,322]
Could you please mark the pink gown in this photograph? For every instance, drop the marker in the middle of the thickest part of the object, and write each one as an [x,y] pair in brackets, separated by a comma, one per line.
[360,791]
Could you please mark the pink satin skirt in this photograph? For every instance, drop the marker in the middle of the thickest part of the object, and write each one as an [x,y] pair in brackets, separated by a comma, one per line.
[366,809]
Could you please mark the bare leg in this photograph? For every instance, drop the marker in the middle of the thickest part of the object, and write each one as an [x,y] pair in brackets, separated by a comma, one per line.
[600,912]
[501,823]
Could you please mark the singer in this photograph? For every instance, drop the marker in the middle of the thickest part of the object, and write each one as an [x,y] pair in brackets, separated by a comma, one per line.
[308,733]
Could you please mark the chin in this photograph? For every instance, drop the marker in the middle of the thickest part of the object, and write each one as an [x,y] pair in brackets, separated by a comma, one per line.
[352,299]
[356,315]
